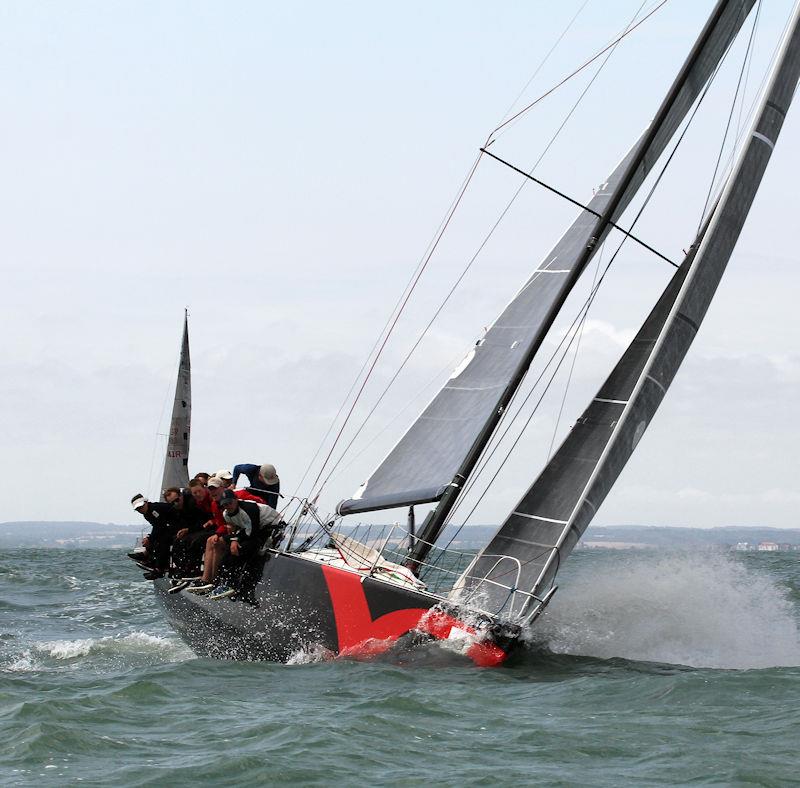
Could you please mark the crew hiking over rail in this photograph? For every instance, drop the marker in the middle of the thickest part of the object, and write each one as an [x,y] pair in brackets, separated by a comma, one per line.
[210,537]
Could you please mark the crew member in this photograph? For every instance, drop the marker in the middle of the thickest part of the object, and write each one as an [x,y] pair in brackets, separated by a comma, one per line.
[226,477]
[263,480]
[233,553]
[158,542]
[216,489]
[190,535]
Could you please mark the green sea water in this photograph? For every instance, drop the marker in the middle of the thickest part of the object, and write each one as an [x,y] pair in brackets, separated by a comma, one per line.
[649,669]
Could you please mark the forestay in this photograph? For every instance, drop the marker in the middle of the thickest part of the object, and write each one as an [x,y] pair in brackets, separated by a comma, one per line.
[456,424]
[176,463]
[547,523]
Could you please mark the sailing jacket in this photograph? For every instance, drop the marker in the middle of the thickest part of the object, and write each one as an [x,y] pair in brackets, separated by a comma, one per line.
[189,515]
[251,520]
[160,516]
[242,495]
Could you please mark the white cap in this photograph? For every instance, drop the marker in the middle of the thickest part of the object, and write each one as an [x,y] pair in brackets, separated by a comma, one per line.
[269,474]
[138,501]
[214,481]
[225,475]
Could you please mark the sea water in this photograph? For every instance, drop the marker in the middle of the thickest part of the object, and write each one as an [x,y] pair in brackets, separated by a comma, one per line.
[649,668]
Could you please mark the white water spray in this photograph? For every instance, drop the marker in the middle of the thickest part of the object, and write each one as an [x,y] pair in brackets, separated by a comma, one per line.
[702,610]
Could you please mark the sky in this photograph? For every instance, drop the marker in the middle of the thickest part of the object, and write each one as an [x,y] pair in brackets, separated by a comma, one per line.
[280,170]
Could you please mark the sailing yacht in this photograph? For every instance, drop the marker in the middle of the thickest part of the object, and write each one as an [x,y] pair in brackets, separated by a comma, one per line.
[349,595]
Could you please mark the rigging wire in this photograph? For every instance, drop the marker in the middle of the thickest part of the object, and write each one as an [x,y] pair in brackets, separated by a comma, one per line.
[578,70]
[574,359]
[394,320]
[448,367]
[731,155]
[389,325]
[747,75]
[411,284]
[544,60]
[610,51]
[580,205]
[730,114]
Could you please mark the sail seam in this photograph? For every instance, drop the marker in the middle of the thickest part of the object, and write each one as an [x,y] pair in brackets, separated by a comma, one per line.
[779,110]
[528,541]
[471,388]
[689,321]
[545,519]
[611,401]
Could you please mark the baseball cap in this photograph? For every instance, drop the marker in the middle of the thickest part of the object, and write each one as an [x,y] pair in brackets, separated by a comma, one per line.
[138,501]
[269,474]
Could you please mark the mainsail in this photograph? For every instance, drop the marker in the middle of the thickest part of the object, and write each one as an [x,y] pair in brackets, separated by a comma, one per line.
[441,448]
[547,523]
[176,470]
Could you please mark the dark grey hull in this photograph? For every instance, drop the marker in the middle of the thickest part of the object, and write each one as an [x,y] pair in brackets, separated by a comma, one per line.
[304,606]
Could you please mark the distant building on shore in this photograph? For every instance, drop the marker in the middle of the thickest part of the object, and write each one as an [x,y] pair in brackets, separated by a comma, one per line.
[768,547]
[765,547]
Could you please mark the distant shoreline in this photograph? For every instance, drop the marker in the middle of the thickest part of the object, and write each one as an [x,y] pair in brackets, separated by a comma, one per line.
[78,535]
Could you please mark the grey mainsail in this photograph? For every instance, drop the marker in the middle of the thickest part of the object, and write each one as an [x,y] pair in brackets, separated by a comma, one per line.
[176,462]
[440,449]
[547,523]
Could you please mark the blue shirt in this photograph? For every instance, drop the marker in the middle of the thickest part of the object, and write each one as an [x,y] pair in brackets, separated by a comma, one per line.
[249,470]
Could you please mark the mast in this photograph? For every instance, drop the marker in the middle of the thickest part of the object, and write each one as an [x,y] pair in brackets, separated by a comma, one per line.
[717,34]
[546,524]
[176,461]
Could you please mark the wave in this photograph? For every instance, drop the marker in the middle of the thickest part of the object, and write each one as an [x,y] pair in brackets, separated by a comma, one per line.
[133,648]
[700,610]
[135,642]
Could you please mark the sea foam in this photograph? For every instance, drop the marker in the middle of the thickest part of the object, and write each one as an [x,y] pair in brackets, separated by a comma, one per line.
[133,648]
[701,610]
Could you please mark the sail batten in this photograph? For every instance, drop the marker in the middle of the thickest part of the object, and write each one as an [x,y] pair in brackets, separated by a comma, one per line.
[176,461]
[568,486]
[444,444]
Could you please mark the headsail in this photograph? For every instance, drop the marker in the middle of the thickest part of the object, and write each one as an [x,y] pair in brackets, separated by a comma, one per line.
[554,513]
[176,463]
[442,446]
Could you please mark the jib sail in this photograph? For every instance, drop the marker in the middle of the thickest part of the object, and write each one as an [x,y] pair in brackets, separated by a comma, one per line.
[176,463]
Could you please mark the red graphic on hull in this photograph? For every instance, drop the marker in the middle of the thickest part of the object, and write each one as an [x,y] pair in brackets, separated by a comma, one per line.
[354,623]
[361,635]
[483,653]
